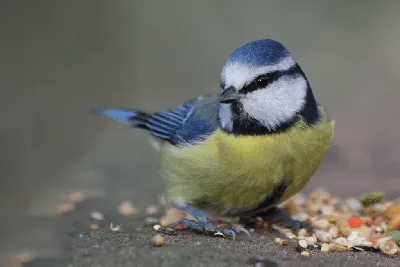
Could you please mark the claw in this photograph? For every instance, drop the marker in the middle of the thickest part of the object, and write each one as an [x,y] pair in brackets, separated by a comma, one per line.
[203,224]
[239,229]
[233,234]
[210,227]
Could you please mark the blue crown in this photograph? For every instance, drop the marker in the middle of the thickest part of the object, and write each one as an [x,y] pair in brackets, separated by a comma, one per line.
[259,53]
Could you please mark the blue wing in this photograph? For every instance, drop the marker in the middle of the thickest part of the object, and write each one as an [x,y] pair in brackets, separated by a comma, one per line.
[186,124]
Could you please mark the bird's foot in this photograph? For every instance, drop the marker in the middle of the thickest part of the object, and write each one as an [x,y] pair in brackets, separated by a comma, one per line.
[209,227]
[297,225]
[281,216]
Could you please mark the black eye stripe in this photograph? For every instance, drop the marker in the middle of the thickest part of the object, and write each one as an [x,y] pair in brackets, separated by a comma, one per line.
[270,78]
[293,71]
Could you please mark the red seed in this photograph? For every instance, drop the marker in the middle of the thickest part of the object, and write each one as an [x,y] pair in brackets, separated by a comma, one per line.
[355,222]
[326,201]
[180,227]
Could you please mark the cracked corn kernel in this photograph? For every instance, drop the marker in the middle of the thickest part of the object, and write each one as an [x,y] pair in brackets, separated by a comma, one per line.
[394,223]
[392,210]
[158,240]
[93,226]
[305,253]
[280,241]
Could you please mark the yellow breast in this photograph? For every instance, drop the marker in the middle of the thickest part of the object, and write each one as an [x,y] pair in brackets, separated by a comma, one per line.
[240,171]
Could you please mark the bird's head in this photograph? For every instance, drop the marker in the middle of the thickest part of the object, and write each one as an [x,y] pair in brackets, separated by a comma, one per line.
[263,90]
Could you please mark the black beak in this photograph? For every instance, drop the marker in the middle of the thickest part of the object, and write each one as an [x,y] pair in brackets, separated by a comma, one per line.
[230,95]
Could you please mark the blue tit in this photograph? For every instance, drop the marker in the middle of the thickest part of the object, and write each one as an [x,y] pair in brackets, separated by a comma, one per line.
[244,150]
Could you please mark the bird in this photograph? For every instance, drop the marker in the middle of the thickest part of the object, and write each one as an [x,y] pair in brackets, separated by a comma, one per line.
[243,150]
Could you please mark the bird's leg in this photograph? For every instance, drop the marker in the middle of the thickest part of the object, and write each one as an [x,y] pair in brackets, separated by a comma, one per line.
[202,223]
[269,212]
[279,215]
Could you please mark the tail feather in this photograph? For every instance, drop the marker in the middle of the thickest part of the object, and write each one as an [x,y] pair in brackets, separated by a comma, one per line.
[126,116]
[158,126]
[164,125]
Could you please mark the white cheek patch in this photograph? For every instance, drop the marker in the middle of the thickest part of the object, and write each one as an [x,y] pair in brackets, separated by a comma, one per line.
[278,102]
[237,74]
[225,117]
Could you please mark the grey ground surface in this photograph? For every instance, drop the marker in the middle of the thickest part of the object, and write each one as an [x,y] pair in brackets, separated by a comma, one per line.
[132,247]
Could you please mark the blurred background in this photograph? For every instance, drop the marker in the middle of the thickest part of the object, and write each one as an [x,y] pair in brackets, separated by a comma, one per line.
[59,59]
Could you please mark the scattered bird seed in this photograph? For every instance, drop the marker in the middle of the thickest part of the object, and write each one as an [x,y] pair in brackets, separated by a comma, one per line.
[392,210]
[367,223]
[341,241]
[311,240]
[303,243]
[354,205]
[302,232]
[127,208]
[323,236]
[321,224]
[325,247]
[389,247]
[151,210]
[305,253]
[280,241]
[343,227]
[115,228]
[65,208]
[158,240]
[334,231]
[94,226]
[368,199]
[96,215]
[394,223]
[337,247]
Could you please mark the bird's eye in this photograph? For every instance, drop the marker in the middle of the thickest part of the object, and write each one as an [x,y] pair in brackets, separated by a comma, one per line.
[260,82]
[263,80]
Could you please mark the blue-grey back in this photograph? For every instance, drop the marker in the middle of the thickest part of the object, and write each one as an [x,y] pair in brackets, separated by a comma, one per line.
[201,120]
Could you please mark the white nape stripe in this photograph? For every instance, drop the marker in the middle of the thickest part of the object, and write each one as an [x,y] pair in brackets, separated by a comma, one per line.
[277,103]
[238,74]
[225,117]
